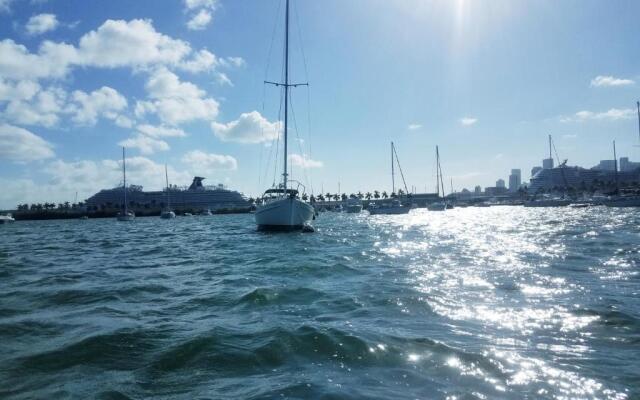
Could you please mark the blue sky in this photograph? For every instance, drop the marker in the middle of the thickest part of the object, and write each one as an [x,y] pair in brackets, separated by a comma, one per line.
[181,82]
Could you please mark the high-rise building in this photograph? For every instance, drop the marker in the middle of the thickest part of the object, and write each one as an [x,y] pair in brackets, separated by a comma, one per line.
[547,163]
[478,190]
[500,183]
[514,180]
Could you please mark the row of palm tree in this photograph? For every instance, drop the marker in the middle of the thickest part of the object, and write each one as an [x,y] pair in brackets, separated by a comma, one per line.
[66,206]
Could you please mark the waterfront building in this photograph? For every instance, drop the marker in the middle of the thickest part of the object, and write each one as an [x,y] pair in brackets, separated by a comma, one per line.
[626,165]
[547,163]
[500,184]
[606,165]
[196,197]
[478,190]
[515,179]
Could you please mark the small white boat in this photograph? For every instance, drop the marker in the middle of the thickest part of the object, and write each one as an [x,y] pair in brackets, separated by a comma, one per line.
[354,206]
[395,207]
[167,214]
[6,219]
[126,214]
[187,214]
[206,212]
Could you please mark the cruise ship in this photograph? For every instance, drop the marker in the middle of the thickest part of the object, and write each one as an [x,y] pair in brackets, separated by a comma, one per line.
[196,197]
[577,177]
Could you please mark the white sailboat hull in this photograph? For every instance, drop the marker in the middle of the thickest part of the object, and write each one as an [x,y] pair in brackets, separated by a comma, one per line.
[284,214]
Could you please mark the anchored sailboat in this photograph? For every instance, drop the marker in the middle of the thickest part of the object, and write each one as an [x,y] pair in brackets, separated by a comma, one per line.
[395,206]
[281,208]
[125,215]
[440,205]
[167,213]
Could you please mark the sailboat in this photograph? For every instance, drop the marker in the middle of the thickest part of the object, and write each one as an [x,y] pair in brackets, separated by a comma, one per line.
[167,213]
[395,206]
[620,200]
[439,205]
[125,215]
[281,208]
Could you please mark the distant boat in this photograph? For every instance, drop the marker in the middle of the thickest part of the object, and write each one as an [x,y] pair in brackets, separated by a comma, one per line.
[354,206]
[338,208]
[167,213]
[440,205]
[395,206]
[281,208]
[6,219]
[206,212]
[125,215]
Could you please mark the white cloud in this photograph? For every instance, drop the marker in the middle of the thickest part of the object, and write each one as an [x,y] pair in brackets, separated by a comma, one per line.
[20,145]
[88,107]
[145,144]
[303,161]
[414,127]
[160,131]
[52,60]
[195,4]
[203,60]
[204,163]
[613,114]
[123,122]
[233,62]
[468,121]
[604,81]
[118,43]
[41,23]
[20,90]
[176,102]
[249,128]
[200,20]
[42,108]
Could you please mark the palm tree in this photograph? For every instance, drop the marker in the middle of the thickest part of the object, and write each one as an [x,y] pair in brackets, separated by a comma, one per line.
[376,194]
[304,197]
[328,196]
[336,197]
[368,196]
[343,196]
[385,195]
[321,197]
[359,195]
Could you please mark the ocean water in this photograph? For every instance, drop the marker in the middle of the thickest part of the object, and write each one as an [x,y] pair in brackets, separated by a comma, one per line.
[476,303]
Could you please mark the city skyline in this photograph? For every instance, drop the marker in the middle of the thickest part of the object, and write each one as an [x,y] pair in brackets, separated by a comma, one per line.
[182,84]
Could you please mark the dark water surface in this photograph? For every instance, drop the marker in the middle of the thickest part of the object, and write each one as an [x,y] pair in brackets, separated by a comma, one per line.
[501,302]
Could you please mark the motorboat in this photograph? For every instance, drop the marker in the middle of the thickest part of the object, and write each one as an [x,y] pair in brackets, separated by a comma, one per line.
[393,207]
[354,206]
[6,219]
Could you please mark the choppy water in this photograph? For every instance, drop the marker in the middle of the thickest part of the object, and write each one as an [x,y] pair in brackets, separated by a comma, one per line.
[501,302]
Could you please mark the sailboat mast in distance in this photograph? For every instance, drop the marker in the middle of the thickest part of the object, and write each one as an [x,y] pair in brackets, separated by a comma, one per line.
[124,180]
[437,173]
[393,174]
[638,105]
[166,176]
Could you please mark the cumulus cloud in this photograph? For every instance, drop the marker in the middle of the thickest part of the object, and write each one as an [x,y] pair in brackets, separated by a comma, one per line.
[105,102]
[414,127]
[53,60]
[303,161]
[145,144]
[250,128]
[175,101]
[200,20]
[201,13]
[201,61]
[613,114]
[160,131]
[468,121]
[608,81]
[20,145]
[206,163]
[35,106]
[41,23]
[5,5]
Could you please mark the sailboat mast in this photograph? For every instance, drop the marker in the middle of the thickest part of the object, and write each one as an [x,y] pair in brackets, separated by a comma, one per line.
[286,94]
[615,165]
[393,174]
[437,173]
[638,105]
[550,156]
[124,179]
[166,176]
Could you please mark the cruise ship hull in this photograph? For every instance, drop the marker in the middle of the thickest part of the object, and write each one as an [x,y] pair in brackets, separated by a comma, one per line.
[283,214]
